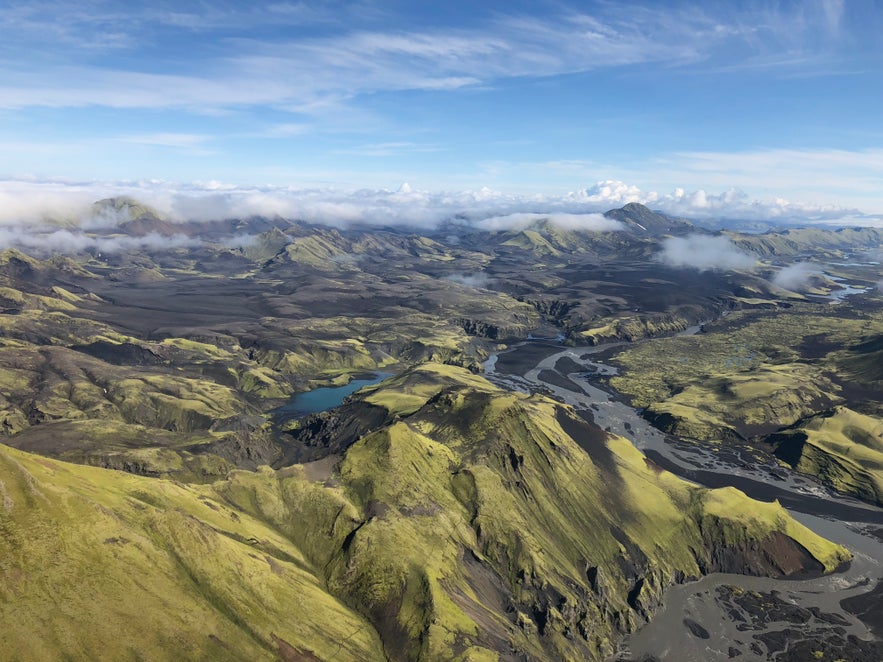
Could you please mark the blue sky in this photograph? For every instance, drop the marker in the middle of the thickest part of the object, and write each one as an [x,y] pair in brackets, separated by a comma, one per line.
[742,108]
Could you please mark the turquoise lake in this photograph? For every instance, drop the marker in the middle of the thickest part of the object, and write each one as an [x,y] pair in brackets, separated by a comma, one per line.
[328,397]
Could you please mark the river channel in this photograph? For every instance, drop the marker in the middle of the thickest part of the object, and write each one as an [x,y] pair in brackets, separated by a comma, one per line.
[809,618]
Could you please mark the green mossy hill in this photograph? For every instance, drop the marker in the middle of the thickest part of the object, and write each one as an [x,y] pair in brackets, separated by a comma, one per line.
[862,363]
[266,245]
[98,564]
[476,527]
[642,220]
[753,372]
[332,250]
[190,458]
[128,208]
[479,521]
[635,327]
[841,447]
[28,274]
[546,239]
[148,419]
[791,242]
[56,383]
[759,373]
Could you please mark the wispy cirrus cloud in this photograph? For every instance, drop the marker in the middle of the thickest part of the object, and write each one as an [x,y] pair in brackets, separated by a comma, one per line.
[184,140]
[391,149]
[349,61]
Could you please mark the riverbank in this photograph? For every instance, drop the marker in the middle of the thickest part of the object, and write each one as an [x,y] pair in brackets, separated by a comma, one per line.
[709,619]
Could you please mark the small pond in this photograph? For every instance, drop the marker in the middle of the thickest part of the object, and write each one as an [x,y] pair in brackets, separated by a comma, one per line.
[327,397]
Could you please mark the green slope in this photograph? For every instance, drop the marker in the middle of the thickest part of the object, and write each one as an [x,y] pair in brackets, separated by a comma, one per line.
[842,447]
[780,377]
[99,564]
[475,524]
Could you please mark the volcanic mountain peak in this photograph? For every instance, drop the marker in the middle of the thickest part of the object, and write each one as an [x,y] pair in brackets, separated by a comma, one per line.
[133,217]
[644,221]
[126,206]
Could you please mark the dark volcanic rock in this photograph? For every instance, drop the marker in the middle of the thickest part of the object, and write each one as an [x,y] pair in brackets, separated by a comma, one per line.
[248,448]
[329,432]
[488,330]
[119,353]
[643,221]
[868,607]
[557,379]
[776,556]
[696,630]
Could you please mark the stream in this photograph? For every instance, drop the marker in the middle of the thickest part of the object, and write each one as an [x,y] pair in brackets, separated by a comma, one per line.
[730,624]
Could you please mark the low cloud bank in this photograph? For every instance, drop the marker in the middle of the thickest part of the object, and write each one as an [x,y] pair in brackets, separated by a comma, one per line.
[74,241]
[40,202]
[705,252]
[58,216]
[581,222]
[796,277]
[730,204]
[476,280]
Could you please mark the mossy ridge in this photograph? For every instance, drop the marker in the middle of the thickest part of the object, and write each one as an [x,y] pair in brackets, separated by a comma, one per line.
[739,347]
[842,447]
[64,384]
[799,241]
[106,411]
[756,374]
[634,327]
[134,567]
[128,447]
[483,474]
[477,488]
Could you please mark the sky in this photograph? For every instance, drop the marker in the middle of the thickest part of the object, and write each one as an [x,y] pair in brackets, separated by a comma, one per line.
[755,109]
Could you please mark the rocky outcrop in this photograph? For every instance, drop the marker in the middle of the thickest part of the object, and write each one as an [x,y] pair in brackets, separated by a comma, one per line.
[490,330]
[120,353]
[327,433]
[841,447]
[643,221]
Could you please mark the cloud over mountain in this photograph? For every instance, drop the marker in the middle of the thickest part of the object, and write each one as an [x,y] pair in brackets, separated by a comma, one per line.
[76,241]
[795,277]
[732,203]
[704,252]
[593,222]
[69,204]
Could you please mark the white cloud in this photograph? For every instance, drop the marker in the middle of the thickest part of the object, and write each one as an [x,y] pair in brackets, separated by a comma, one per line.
[76,241]
[612,192]
[40,202]
[795,277]
[731,203]
[350,61]
[582,222]
[475,280]
[704,252]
